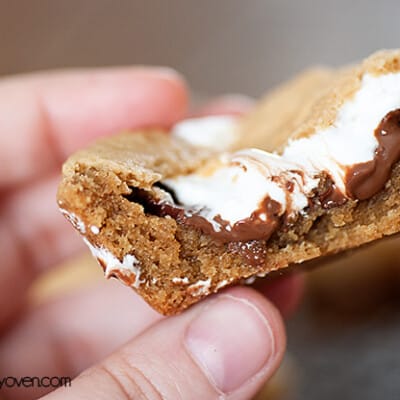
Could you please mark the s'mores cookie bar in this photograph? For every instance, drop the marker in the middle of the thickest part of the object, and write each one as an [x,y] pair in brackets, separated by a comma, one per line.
[180,215]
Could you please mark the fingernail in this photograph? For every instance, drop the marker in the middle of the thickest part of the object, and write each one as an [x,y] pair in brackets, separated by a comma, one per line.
[231,340]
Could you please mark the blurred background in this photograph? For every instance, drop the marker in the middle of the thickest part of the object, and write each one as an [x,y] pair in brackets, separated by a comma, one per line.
[220,46]
[343,343]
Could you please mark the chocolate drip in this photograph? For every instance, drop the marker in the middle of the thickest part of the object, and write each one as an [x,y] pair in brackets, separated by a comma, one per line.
[363,180]
[260,225]
[332,196]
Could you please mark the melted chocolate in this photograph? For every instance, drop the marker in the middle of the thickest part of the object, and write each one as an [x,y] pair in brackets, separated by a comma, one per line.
[363,180]
[260,225]
[332,197]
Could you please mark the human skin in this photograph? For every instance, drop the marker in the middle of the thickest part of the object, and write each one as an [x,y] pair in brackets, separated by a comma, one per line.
[105,335]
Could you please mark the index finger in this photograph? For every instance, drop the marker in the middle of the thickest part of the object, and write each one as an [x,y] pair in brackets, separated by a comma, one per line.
[46,116]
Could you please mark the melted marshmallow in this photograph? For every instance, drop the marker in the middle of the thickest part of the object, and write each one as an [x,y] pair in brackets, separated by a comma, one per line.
[128,267]
[235,189]
[216,132]
[351,139]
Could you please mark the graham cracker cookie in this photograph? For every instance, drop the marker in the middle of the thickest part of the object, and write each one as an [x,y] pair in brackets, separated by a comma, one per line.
[178,216]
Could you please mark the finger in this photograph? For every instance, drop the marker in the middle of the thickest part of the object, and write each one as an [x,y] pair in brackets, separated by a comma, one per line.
[285,292]
[46,116]
[33,237]
[41,235]
[64,337]
[226,346]
[226,105]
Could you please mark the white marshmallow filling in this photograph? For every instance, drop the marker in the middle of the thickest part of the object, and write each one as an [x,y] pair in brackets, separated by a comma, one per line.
[241,181]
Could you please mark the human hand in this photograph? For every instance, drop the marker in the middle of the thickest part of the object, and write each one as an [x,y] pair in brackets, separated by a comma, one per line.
[230,343]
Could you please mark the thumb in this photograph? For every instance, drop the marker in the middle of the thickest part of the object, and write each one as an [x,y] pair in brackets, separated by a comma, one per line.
[228,345]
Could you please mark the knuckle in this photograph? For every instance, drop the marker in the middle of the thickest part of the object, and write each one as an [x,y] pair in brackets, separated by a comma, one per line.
[131,382]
